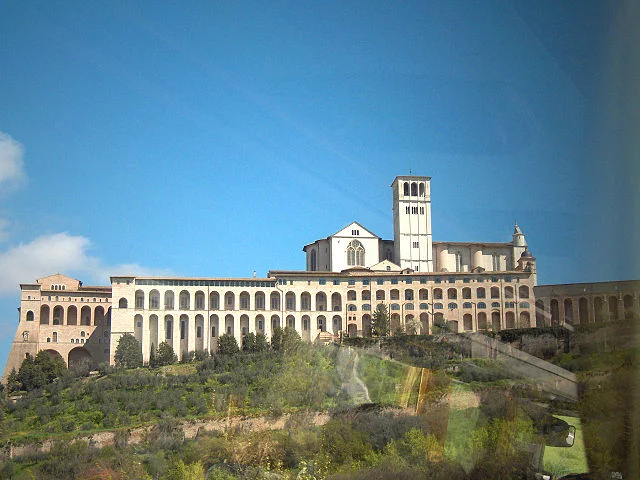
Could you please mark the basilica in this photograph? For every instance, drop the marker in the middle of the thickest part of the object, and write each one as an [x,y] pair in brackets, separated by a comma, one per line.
[467,286]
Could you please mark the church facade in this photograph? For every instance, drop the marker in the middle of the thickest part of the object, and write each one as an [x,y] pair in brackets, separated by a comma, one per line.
[467,286]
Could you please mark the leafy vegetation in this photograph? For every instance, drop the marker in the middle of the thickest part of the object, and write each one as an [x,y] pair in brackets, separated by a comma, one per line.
[128,352]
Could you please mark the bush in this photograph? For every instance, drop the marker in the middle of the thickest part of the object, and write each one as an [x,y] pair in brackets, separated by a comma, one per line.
[227,345]
[166,355]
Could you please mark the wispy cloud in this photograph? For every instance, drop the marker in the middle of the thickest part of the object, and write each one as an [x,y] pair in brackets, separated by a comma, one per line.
[59,253]
[11,164]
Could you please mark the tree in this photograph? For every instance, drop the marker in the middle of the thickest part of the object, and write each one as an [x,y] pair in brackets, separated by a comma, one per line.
[166,355]
[261,343]
[128,352]
[380,321]
[31,375]
[276,339]
[227,345]
[249,342]
[13,382]
[413,326]
[290,340]
[52,366]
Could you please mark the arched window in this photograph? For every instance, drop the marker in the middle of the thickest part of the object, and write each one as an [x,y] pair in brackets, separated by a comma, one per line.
[523,291]
[482,321]
[414,189]
[583,311]
[437,293]
[395,306]
[424,294]
[467,305]
[336,302]
[466,293]
[452,305]
[408,294]
[437,306]
[214,301]
[510,320]
[482,305]
[169,300]
[30,316]
[555,313]
[199,300]
[184,300]
[290,301]
[229,301]
[321,302]
[244,301]
[452,294]
[122,303]
[495,292]
[260,300]
[540,314]
[355,254]
[394,294]
[305,301]
[366,295]
[421,188]
[405,189]
[139,299]
[351,295]
[154,299]
[467,322]
[275,301]
[508,292]
[380,295]
[481,293]
[424,306]
[351,307]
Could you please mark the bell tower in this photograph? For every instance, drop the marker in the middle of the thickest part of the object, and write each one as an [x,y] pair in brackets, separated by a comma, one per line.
[413,246]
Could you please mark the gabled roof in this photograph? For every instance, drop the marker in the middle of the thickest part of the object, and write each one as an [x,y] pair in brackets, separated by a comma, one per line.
[382,266]
[347,229]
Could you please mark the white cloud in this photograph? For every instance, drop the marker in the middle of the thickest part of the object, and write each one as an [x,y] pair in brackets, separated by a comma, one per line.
[11,165]
[58,253]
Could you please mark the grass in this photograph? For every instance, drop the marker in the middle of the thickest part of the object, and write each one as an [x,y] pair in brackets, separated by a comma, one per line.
[562,460]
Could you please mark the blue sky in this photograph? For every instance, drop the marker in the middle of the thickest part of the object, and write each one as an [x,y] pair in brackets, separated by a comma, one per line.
[218,138]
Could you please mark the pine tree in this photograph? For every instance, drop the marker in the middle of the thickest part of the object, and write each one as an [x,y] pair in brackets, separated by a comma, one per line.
[380,321]
[13,382]
[166,355]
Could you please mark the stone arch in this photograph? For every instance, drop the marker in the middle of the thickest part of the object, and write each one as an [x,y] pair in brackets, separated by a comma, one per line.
[184,300]
[153,330]
[54,354]
[352,329]
[568,311]
[259,301]
[30,316]
[44,315]
[583,311]
[98,316]
[495,321]
[598,306]
[138,325]
[122,303]
[169,300]
[245,301]
[336,324]
[291,321]
[555,313]
[78,356]
[214,327]
[613,309]
[244,324]
[510,320]
[305,301]
[139,299]
[540,314]
[275,322]
[228,325]
[229,301]
[467,322]
[290,301]
[274,300]
[394,323]
[72,315]
[199,331]
[482,321]
[525,320]
[199,300]
[366,325]
[523,291]
[336,302]
[85,315]
[259,324]
[58,315]
[214,301]
[154,299]
[168,329]
[322,323]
